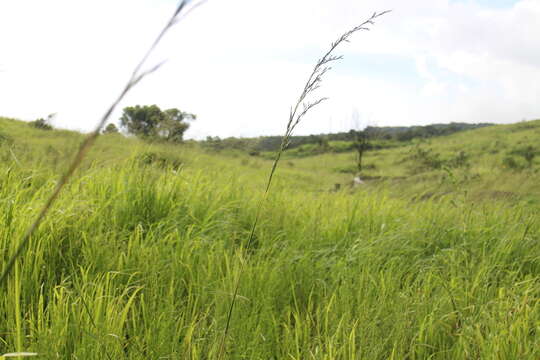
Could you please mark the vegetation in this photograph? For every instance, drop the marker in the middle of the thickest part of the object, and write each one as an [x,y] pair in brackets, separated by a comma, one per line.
[139,257]
[43,124]
[110,129]
[138,74]
[378,137]
[150,122]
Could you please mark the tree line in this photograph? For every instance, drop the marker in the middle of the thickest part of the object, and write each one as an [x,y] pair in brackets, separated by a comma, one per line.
[366,137]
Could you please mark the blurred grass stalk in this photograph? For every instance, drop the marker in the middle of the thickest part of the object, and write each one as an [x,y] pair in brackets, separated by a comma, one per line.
[182,9]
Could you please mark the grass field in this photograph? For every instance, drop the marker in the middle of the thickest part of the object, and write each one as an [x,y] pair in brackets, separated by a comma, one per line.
[432,259]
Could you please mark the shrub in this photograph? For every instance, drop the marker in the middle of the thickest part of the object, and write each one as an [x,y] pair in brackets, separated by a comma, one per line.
[162,160]
[512,163]
[110,129]
[426,159]
[460,160]
[41,124]
[526,152]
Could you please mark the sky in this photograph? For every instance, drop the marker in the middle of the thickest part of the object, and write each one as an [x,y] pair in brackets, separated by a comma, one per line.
[239,65]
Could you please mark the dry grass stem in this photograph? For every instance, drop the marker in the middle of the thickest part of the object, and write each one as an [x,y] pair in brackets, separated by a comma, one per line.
[302,106]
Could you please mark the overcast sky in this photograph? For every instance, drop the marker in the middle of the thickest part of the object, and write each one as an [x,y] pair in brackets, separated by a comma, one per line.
[240,64]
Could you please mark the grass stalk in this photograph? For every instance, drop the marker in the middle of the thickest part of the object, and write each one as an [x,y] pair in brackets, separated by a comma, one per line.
[300,109]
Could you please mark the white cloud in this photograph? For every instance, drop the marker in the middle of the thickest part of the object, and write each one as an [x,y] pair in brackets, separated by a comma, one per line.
[240,64]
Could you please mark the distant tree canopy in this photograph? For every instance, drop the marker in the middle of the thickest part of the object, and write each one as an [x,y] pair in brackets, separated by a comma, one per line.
[110,129]
[370,138]
[149,121]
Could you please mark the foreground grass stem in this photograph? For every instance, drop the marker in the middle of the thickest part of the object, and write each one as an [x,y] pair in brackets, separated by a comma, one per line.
[302,106]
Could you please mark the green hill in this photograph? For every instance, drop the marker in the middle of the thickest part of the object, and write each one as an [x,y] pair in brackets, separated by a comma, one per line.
[489,163]
[436,256]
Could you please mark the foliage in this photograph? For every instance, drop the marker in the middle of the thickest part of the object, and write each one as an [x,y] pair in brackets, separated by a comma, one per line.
[428,131]
[528,153]
[511,163]
[461,159]
[110,129]
[150,122]
[376,138]
[360,144]
[427,159]
[43,124]
[160,159]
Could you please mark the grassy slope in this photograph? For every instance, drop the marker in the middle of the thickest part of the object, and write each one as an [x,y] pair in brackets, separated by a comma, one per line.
[486,177]
[139,256]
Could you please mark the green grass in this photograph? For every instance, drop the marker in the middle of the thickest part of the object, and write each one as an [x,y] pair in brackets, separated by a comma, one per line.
[138,258]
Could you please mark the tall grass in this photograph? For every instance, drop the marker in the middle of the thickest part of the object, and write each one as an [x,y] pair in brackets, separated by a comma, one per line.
[140,257]
[139,262]
[137,75]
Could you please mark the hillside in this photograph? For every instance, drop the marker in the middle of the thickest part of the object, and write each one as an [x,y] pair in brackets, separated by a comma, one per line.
[436,256]
[488,163]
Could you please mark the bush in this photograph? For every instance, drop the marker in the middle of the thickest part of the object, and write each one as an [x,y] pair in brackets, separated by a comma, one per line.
[162,160]
[460,160]
[528,153]
[426,159]
[512,163]
[110,129]
[41,124]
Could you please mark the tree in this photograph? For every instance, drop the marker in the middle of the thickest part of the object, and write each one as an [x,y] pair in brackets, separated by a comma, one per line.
[141,120]
[360,140]
[110,129]
[174,125]
[360,144]
[149,121]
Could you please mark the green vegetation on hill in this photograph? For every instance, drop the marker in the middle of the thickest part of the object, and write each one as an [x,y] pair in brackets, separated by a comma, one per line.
[338,142]
[437,256]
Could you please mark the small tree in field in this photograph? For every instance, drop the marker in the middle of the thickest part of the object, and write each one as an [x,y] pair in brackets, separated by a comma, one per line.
[150,122]
[360,143]
[360,140]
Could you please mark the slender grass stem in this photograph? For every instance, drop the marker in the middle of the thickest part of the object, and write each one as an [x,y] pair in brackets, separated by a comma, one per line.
[297,113]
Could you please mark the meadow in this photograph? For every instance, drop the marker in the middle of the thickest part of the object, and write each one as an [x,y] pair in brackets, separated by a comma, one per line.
[433,258]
